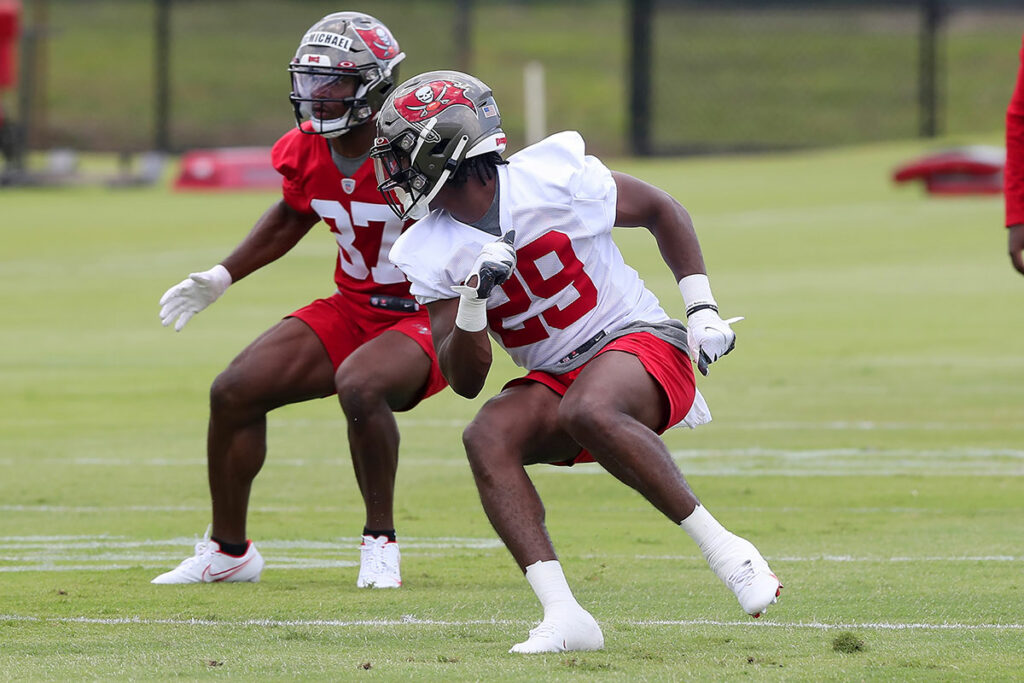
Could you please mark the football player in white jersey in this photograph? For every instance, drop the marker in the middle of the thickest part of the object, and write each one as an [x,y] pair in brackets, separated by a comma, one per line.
[523,249]
[368,341]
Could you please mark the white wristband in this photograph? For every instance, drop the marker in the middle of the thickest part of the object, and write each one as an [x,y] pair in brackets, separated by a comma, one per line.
[696,291]
[472,315]
[221,275]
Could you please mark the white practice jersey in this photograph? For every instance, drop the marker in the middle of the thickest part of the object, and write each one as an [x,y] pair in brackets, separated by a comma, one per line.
[570,282]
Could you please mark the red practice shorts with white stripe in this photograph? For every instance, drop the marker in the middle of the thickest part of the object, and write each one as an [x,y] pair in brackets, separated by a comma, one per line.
[344,324]
[669,366]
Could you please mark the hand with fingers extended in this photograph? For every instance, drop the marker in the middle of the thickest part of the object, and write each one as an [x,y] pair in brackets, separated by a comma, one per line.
[193,294]
[492,267]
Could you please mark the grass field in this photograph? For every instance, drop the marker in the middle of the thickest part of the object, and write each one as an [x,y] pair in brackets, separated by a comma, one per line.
[867,437]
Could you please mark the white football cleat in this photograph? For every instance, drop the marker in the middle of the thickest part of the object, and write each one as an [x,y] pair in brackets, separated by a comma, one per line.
[740,567]
[576,630]
[210,565]
[379,560]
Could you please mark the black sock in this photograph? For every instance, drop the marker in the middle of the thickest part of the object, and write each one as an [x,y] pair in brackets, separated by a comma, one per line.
[236,549]
[376,533]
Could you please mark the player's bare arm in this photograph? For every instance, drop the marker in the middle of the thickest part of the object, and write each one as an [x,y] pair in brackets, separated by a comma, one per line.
[460,325]
[1015,245]
[640,204]
[464,357]
[276,232]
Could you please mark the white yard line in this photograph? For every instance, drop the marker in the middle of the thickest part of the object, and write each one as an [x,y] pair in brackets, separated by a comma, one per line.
[834,558]
[65,543]
[413,621]
[117,553]
[62,553]
[965,461]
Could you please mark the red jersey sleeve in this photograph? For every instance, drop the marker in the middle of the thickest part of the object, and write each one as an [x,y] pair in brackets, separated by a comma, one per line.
[286,156]
[1013,174]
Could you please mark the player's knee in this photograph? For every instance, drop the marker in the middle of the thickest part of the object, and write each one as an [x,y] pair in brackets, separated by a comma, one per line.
[359,396]
[584,416]
[474,440]
[491,449]
[483,446]
[227,394]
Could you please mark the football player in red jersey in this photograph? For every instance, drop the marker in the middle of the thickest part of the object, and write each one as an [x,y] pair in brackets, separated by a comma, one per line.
[368,342]
[1014,175]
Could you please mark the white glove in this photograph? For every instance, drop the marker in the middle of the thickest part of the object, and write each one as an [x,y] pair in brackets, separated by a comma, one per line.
[492,267]
[193,294]
[709,337]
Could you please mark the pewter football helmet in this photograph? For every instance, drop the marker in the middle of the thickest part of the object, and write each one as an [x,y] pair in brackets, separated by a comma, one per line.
[425,129]
[343,44]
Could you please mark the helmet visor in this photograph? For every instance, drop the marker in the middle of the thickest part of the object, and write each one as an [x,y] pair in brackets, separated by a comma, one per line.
[323,96]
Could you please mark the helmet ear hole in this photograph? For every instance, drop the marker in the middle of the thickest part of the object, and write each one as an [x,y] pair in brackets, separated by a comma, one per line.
[440,147]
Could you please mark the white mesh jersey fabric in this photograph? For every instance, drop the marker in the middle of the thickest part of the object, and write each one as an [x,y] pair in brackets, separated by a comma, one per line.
[570,282]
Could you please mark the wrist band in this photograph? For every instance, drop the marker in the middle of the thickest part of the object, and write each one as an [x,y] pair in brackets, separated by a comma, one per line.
[700,307]
[696,291]
[472,314]
[221,274]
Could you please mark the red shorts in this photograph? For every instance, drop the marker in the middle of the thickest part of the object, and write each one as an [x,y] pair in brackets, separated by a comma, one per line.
[344,324]
[669,366]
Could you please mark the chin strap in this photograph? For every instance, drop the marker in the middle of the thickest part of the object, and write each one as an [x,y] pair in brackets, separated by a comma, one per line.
[423,202]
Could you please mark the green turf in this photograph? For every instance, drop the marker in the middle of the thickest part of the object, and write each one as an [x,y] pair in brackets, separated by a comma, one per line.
[867,437]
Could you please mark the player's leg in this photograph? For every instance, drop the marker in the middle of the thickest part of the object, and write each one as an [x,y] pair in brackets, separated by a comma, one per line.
[388,373]
[619,429]
[286,364]
[519,426]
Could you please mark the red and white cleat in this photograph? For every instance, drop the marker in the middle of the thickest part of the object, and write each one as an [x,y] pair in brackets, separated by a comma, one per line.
[210,565]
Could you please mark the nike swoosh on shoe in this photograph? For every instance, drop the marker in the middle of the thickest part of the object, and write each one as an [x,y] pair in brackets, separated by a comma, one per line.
[226,574]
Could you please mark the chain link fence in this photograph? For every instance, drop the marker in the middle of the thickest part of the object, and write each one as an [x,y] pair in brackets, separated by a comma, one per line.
[744,76]
[722,75]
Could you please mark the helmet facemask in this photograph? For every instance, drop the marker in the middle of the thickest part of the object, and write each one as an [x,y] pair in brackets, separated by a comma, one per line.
[412,168]
[312,100]
[344,44]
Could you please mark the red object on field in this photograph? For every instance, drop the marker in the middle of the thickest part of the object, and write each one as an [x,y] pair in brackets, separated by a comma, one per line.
[10,12]
[227,168]
[965,170]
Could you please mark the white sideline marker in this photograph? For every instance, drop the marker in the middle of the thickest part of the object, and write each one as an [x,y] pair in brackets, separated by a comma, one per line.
[410,620]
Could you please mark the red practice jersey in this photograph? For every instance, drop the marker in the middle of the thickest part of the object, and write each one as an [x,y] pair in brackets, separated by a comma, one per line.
[1014,173]
[363,224]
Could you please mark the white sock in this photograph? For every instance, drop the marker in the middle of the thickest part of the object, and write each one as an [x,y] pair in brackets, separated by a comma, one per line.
[548,582]
[704,529]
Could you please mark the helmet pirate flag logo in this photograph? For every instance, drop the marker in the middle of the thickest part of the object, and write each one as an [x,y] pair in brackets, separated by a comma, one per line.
[430,100]
[379,40]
